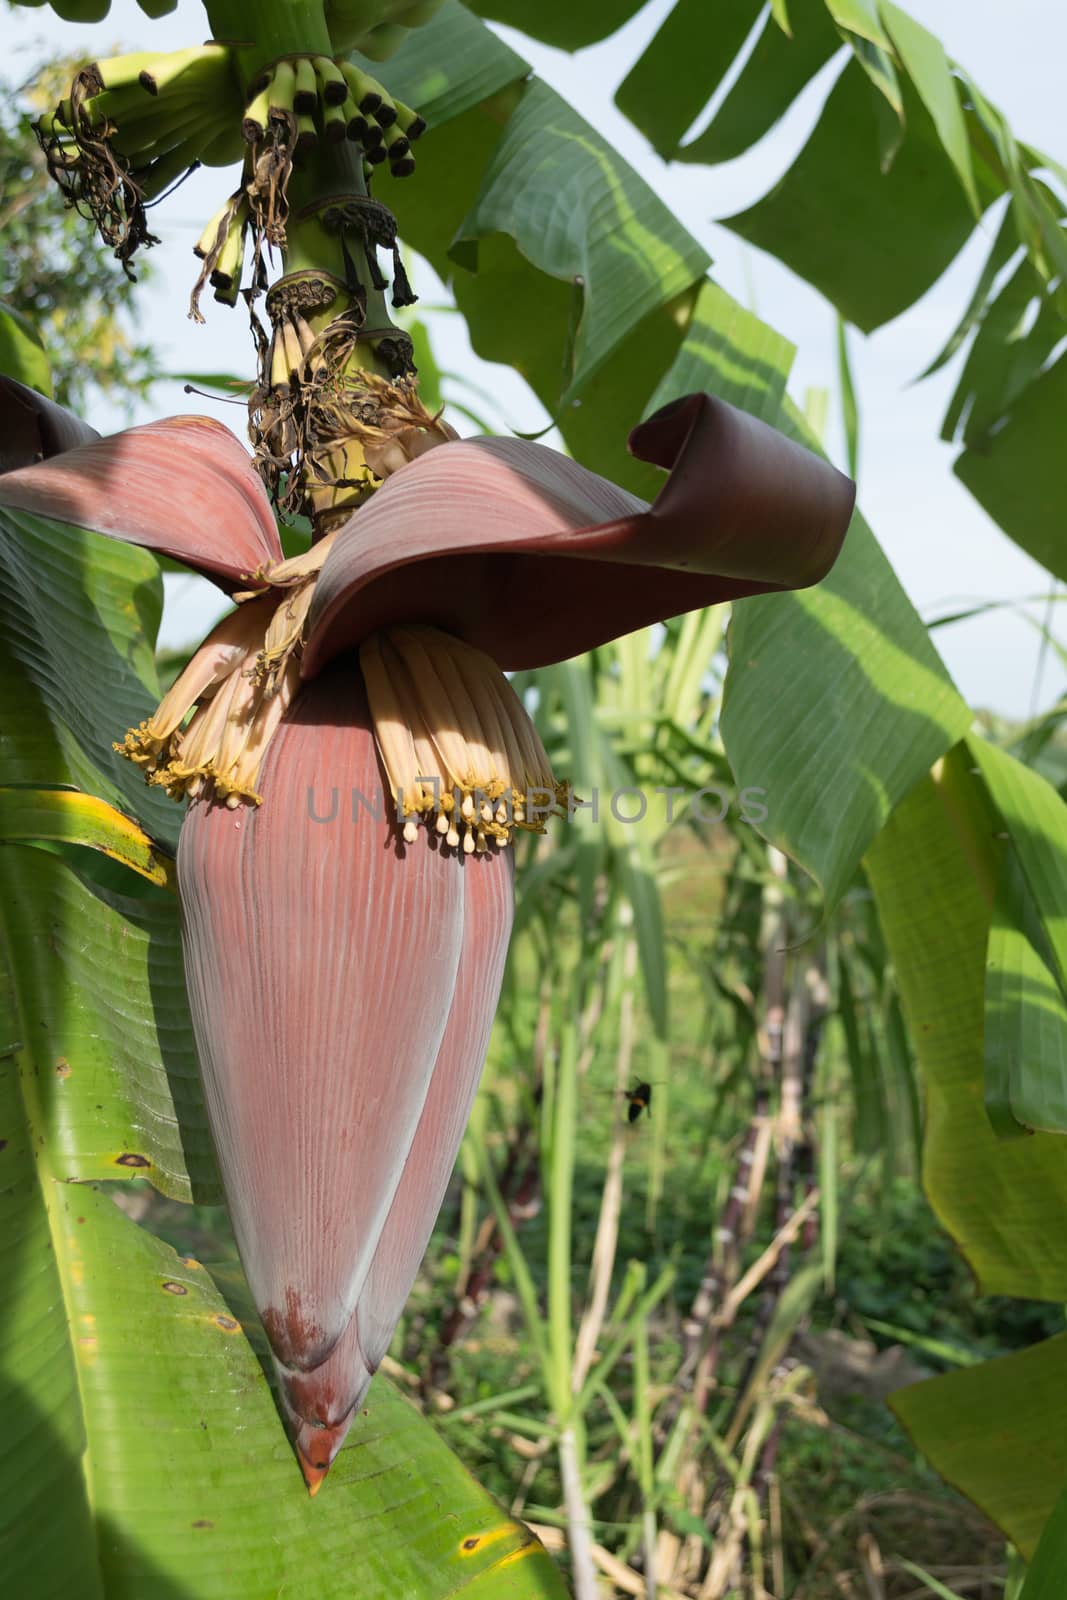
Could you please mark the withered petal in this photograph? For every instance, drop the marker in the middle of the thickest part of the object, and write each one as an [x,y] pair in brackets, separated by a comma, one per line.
[33,428]
[183,487]
[528,555]
[321,962]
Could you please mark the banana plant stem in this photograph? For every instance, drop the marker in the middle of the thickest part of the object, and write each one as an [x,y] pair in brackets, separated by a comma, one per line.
[272,28]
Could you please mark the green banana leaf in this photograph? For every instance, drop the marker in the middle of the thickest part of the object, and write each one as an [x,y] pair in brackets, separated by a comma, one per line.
[996,1432]
[933,870]
[904,226]
[906,156]
[779,67]
[81,612]
[667,87]
[1002,362]
[1045,1578]
[1026,971]
[98,976]
[558,22]
[1016,476]
[66,816]
[22,355]
[836,704]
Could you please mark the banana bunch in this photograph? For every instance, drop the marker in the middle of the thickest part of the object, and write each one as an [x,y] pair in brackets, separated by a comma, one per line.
[317,99]
[294,105]
[97,10]
[221,249]
[376,28]
[132,126]
[163,113]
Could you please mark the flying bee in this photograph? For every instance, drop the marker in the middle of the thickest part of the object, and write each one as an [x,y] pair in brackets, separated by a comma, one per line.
[639,1099]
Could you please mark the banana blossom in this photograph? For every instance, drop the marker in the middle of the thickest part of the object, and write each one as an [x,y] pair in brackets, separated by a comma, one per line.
[357,764]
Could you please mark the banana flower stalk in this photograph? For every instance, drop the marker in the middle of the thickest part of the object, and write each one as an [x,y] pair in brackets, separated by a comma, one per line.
[357,764]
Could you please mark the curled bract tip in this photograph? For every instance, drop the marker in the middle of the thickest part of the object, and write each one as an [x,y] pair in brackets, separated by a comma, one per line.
[530,557]
[34,427]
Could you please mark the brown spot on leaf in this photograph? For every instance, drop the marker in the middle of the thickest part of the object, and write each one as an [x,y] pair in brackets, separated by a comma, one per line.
[79,1219]
[132,1159]
[62,1067]
[202,1522]
[471,1544]
[174,1288]
[3,1144]
[227,1324]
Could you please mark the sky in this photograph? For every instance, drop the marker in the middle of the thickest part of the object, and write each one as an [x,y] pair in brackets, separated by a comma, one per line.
[944,548]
